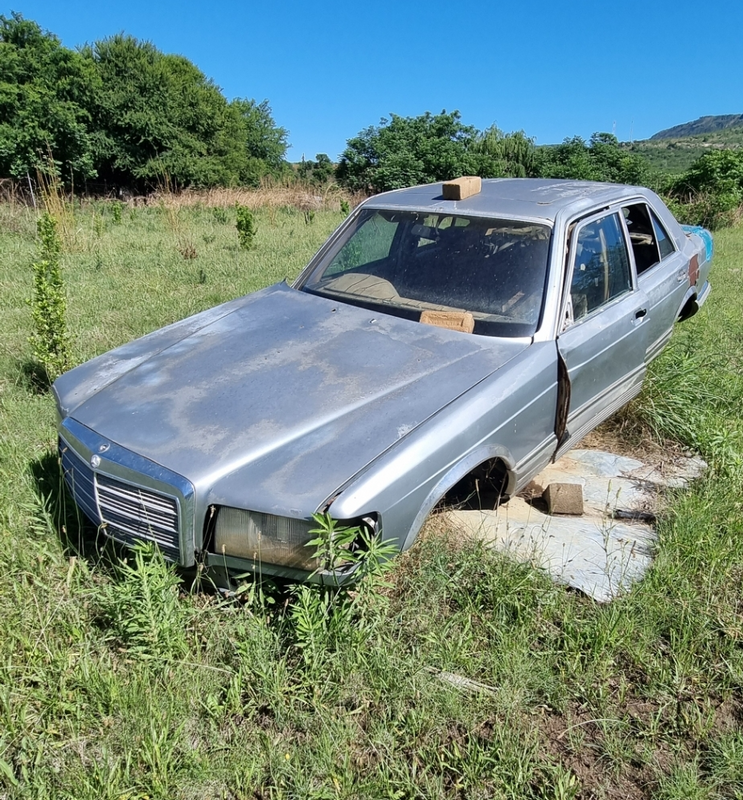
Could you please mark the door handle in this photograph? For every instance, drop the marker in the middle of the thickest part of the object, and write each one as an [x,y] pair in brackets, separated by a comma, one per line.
[681,274]
[640,313]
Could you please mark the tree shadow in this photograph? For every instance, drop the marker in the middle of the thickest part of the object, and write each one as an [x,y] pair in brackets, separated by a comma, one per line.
[34,377]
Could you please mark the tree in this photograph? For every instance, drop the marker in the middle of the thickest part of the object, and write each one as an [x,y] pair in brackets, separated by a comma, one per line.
[159,118]
[602,159]
[317,172]
[265,141]
[506,154]
[46,92]
[404,151]
[710,192]
[719,171]
[157,115]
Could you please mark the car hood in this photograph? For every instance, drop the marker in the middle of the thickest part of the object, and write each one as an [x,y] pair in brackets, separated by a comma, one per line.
[276,399]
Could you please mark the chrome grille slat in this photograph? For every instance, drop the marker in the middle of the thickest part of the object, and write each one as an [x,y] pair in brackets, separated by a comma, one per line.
[79,479]
[124,511]
[132,512]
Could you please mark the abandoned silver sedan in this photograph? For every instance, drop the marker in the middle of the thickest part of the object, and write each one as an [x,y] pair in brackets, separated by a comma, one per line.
[445,335]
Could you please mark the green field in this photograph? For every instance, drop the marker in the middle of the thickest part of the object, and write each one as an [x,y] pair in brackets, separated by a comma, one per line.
[676,155]
[117,681]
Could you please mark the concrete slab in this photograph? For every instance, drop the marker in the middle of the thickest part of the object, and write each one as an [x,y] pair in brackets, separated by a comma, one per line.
[611,545]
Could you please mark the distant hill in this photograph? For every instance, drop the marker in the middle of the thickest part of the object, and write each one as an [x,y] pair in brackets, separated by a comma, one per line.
[675,149]
[700,126]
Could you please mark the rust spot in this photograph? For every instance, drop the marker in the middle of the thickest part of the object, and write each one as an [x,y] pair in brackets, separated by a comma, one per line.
[693,270]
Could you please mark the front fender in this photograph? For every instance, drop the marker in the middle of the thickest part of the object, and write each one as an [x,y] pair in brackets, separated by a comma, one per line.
[449,479]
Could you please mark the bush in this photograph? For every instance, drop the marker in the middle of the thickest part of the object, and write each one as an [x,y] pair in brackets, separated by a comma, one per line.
[710,192]
[48,304]
[245,225]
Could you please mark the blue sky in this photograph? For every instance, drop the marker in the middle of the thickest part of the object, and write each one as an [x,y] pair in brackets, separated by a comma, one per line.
[330,69]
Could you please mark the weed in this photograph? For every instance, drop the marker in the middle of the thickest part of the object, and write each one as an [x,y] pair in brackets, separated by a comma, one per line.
[187,250]
[50,341]
[141,611]
[55,202]
[309,217]
[116,212]
[245,225]
[345,208]
[220,215]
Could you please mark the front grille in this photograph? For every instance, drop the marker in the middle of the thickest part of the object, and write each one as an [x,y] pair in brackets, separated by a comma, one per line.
[130,513]
[122,510]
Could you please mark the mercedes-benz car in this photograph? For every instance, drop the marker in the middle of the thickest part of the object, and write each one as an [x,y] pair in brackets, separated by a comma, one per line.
[454,334]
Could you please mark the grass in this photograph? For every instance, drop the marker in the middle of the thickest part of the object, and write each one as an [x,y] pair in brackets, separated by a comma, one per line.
[118,681]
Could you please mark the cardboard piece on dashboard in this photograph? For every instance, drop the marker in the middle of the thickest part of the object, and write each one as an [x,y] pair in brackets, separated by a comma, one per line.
[461,188]
[453,320]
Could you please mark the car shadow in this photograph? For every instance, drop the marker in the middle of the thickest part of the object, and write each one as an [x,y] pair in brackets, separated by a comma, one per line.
[77,535]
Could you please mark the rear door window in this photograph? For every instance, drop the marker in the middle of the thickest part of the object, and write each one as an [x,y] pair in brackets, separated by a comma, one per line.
[649,239]
[665,243]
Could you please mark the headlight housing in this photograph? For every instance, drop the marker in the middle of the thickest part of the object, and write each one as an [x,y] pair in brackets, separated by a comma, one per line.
[265,537]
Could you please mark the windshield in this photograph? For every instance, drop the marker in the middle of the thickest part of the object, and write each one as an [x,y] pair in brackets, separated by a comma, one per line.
[414,264]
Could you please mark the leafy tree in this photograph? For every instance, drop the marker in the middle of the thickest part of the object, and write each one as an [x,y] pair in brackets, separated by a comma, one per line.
[45,93]
[158,116]
[710,192]
[719,171]
[405,151]
[125,111]
[505,154]
[602,159]
[316,172]
[265,142]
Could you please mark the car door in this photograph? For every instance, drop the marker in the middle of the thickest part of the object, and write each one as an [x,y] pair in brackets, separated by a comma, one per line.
[603,341]
[662,273]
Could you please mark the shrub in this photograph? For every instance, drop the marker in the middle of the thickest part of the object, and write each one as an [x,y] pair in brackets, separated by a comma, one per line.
[245,225]
[50,341]
[220,215]
[142,611]
[710,192]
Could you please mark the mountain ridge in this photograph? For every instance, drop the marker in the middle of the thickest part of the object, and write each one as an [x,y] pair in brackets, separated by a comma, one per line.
[708,124]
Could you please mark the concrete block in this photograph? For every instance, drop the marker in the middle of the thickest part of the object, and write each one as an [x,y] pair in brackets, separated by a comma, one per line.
[453,320]
[564,498]
[462,188]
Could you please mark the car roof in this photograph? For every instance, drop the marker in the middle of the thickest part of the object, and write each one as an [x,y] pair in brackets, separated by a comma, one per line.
[539,199]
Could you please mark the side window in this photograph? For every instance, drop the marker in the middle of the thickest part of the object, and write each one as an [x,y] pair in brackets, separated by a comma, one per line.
[664,240]
[601,270]
[642,236]
[370,242]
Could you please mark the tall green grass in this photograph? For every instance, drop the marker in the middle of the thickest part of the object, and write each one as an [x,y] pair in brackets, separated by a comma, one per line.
[119,681]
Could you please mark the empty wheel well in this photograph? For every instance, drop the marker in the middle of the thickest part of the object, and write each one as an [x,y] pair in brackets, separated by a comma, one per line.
[483,487]
[689,308]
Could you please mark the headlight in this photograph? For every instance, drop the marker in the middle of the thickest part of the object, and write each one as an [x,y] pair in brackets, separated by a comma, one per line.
[264,537]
